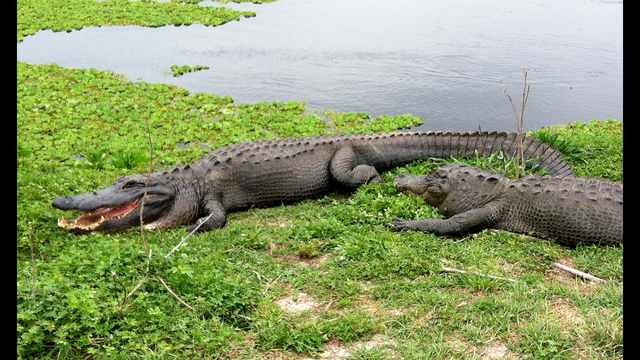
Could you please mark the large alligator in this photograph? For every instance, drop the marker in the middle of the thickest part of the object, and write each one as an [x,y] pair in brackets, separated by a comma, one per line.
[571,210]
[271,172]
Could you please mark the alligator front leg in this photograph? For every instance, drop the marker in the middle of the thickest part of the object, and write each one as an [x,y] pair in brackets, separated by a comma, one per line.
[456,224]
[346,170]
[215,217]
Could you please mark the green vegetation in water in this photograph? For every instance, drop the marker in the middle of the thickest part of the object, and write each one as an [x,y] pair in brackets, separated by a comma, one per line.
[68,15]
[224,1]
[180,70]
[362,283]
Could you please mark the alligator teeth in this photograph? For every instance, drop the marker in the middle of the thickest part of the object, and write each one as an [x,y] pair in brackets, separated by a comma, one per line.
[91,220]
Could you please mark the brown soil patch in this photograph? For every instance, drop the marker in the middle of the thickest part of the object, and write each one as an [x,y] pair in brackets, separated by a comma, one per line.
[280,221]
[297,303]
[376,341]
[300,261]
[248,350]
[564,311]
[335,350]
[278,355]
[494,349]
[497,350]
[376,310]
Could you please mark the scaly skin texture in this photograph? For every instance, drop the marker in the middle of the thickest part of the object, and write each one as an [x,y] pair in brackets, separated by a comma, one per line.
[271,172]
[570,210]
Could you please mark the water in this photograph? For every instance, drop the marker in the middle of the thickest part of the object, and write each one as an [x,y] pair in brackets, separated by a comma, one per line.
[438,60]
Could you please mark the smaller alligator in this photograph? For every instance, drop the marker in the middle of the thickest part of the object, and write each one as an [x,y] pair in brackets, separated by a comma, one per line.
[570,210]
[272,172]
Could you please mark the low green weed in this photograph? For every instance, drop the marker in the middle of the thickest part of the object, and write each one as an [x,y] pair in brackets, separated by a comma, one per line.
[585,150]
[102,159]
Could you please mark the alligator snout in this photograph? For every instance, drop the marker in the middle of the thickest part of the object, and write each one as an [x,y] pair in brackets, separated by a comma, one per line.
[63,202]
[401,179]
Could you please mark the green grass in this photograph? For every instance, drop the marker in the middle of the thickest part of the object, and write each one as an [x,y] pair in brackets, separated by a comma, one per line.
[365,282]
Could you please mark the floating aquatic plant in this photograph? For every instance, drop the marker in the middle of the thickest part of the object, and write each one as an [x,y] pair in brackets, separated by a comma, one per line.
[180,70]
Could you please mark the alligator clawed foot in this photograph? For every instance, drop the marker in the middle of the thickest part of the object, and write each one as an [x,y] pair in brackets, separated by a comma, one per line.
[398,224]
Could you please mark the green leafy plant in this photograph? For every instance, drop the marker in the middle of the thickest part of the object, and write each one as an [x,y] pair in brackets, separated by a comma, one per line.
[102,159]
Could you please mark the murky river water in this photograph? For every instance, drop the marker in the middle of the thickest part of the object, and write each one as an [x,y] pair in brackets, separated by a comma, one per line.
[439,60]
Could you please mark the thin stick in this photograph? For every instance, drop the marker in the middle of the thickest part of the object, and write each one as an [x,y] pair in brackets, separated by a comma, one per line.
[134,289]
[33,265]
[116,278]
[186,237]
[456,271]
[578,272]
[174,294]
[146,187]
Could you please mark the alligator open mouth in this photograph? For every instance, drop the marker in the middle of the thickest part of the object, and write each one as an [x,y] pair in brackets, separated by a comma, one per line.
[89,221]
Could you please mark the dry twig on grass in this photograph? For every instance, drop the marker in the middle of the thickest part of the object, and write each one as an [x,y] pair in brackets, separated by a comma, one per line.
[186,237]
[134,290]
[578,272]
[172,293]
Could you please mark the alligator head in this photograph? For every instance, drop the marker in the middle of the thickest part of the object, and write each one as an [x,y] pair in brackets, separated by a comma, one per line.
[118,206]
[433,188]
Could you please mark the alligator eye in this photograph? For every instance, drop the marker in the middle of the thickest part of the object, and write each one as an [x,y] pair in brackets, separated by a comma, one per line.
[132,183]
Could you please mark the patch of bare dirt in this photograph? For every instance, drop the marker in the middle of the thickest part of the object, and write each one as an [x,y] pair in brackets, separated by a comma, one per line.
[297,303]
[335,350]
[563,310]
[377,340]
[249,350]
[495,349]
[278,355]
[280,221]
[376,310]
[498,350]
[300,261]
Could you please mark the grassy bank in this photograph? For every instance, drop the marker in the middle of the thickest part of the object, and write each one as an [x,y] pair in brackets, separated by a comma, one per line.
[288,282]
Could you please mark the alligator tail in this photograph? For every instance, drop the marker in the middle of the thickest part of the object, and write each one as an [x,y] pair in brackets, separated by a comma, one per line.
[389,150]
